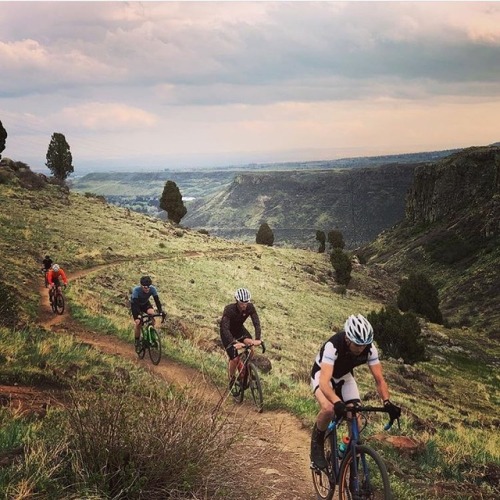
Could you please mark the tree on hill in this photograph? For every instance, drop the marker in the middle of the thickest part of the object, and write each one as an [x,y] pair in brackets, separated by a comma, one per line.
[320,236]
[3,138]
[265,235]
[398,335]
[336,239]
[171,202]
[419,295]
[341,262]
[59,158]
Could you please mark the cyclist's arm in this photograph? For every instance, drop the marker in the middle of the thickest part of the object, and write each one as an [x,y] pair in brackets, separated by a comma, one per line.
[256,323]
[158,303]
[325,377]
[50,277]
[225,331]
[382,389]
[63,276]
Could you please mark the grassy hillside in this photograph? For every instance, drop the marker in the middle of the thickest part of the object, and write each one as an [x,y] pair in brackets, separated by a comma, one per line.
[450,401]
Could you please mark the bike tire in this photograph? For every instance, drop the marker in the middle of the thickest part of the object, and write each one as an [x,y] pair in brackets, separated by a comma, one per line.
[59,303]
[324,480]
[373,478]
[255,386]
[238,388]
[154,346]
[142,352]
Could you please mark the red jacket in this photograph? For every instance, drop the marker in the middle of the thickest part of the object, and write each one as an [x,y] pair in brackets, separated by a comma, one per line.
[53,277]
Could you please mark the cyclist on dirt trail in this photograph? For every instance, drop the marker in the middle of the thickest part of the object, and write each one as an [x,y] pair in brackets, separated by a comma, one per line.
[333,383]
[139,302]
[47,263]
[232,332]
[54,277]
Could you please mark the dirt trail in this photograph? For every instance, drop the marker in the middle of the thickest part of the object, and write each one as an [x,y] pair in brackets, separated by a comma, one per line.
[278,440]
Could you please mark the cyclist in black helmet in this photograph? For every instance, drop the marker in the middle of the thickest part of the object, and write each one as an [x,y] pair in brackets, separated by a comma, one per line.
[139,302]
[233,334]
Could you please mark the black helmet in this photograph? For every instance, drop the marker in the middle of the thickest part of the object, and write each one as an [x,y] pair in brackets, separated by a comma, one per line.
[47,257]
[146,281]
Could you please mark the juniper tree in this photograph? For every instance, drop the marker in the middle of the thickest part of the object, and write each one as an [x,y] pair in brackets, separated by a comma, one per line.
[265,235]
[3,138]
[59,159]
[171,202]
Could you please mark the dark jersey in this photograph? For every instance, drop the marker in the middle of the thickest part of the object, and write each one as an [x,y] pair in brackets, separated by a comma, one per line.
[335,351]
[231,325]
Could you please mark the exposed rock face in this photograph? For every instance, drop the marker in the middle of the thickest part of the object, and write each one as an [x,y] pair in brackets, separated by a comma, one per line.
[295,204]
[451,233]
[463,181]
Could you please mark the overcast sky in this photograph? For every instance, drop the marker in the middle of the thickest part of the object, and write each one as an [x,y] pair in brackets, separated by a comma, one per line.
[179,84]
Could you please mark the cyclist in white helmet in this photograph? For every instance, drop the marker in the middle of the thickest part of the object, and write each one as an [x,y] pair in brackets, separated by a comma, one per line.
[333,382]
[233,334]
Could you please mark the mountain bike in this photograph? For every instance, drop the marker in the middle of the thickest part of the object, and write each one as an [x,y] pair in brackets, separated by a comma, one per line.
[56,299]
[150,339]
[247,377]
[360,473]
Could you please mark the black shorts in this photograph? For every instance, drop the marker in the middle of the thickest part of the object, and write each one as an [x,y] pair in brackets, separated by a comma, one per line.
[138,308]
[239,336]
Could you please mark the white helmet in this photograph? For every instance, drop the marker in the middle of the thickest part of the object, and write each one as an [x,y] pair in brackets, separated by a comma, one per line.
[242,295]
[55,268]
[358,330]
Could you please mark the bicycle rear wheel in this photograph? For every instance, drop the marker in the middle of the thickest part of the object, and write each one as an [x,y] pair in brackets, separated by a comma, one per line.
[58,303]
[255,387]
[372,478]
[324,480]
[154,346]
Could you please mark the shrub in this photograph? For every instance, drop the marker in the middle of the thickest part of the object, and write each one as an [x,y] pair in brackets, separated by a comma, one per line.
[342,264]
[125,447]
[336,239]
[419,295]
[397,334]
[265,235]
[320,236]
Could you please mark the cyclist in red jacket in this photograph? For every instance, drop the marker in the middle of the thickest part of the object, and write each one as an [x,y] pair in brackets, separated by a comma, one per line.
[54,277]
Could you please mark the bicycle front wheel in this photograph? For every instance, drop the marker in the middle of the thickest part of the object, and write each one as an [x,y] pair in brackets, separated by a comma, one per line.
[365,478]
[154,346]
[324,480]
[255,387]
[59,303]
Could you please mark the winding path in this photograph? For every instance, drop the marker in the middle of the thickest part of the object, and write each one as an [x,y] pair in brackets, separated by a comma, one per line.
[277,441]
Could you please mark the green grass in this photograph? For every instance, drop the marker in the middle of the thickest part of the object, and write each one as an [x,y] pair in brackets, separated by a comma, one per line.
[450,402]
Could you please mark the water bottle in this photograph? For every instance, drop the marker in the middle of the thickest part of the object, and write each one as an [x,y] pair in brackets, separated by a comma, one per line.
[344,444]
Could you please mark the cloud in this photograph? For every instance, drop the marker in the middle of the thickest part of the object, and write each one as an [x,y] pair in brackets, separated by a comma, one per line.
[166,77]
[100,117]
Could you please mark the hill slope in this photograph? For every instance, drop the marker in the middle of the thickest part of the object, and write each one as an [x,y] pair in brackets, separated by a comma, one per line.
[294,292]
[451,233]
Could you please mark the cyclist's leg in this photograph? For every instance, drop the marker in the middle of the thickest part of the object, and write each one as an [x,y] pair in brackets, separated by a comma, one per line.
[233,359]
[136,310]
[349,393]
[323,418]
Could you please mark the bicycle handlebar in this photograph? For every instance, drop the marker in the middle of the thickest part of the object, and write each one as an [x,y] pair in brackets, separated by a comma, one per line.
[143,316]
[381,409]
[248,347]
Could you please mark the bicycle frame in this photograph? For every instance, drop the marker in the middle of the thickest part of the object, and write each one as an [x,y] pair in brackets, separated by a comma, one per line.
[337,467]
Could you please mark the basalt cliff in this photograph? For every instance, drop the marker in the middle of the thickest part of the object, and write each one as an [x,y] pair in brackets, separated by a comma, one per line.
[451,233]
